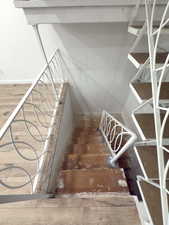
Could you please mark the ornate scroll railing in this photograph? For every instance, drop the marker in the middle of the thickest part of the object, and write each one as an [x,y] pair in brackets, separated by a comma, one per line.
[25,136]
[154,39]
[118,138]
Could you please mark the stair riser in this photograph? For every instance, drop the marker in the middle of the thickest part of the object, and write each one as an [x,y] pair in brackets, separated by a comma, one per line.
[86,148]
[86,162]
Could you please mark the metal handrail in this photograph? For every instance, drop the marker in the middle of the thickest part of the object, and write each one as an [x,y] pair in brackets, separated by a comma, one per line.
[33,127]
[118,137]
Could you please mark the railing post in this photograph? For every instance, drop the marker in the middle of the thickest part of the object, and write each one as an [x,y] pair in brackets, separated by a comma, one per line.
[36,29]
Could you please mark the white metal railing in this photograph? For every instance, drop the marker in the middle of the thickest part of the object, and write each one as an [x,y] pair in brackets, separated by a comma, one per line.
[118,138]
[153,41]
[158,75]
[26,133]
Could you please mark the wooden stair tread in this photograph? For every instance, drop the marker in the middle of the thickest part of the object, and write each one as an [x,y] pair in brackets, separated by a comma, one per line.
[90,139]
[146,123]
[78,200]
[92,180]
[145,92]
[88,148]
[62,211]
[148,154]
[85,161]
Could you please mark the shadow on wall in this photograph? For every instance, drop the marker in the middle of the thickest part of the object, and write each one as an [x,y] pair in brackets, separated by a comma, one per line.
[92,85]
[97,65]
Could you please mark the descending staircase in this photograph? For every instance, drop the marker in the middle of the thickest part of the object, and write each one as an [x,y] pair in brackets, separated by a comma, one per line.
[86,167]
[89,191]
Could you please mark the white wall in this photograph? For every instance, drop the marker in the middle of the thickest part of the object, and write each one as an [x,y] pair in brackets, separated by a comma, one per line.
[96,55]
[20,56]
[99,71]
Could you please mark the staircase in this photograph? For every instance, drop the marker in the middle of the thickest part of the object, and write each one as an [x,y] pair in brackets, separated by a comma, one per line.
[88,191]
[85,168]
[150,87]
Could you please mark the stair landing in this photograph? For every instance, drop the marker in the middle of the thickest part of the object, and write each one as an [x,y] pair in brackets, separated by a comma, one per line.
[95,209]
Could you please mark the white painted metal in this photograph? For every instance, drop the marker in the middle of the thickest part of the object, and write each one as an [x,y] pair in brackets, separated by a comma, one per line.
[144,201]
[153,43]
[142,105]
[118,138]
[158,74]
[140,162]
[134,61]
[139,34]
[37,32]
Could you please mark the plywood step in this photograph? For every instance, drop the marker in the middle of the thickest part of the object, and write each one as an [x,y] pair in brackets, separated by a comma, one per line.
[85,161]
[88,148]
[92,180]
[152,198]
[148,154]
[144,90]
[146,123]
[139,58]
[108,209]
